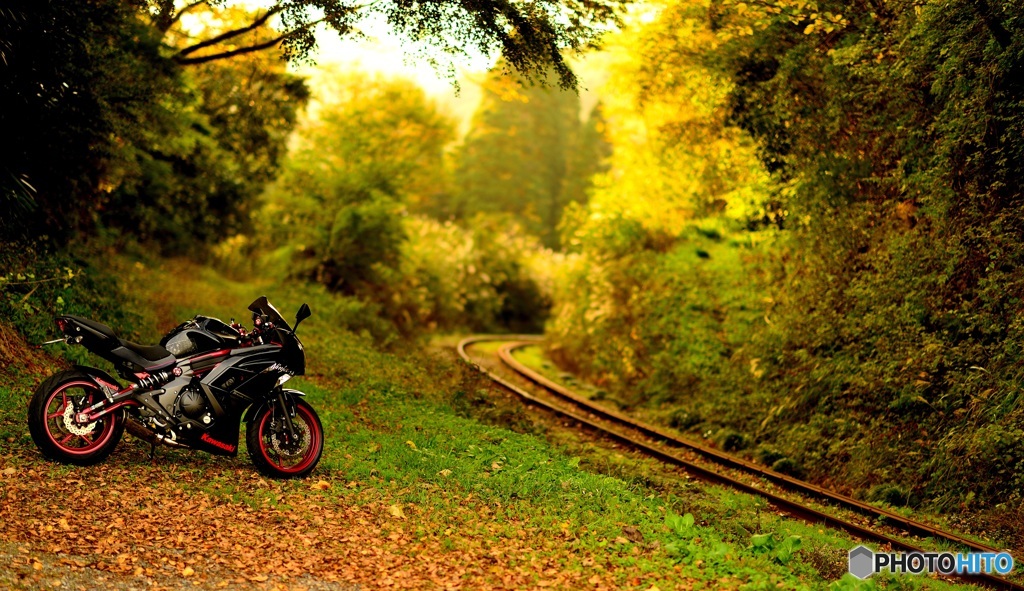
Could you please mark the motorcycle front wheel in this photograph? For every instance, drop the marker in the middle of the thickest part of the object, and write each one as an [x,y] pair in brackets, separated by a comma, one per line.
[274,451]
[51,420]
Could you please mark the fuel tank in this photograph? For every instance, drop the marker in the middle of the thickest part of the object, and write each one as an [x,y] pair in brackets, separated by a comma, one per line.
[199,335]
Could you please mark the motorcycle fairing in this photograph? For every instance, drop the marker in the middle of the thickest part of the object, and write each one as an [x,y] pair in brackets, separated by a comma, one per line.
[222,438]
[243,374]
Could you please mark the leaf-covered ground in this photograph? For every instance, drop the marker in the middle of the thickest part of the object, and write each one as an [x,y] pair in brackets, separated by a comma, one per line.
[430,479]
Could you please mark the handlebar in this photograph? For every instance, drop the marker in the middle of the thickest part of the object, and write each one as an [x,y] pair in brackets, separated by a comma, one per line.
[261,325]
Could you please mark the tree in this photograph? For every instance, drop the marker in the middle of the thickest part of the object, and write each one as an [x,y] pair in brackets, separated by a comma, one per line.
[76,81]
[104,129]
[898,129]
[531,36]
[884,342]
[515,157]
[194,180]
[91,88]
[588,156]
[373,146]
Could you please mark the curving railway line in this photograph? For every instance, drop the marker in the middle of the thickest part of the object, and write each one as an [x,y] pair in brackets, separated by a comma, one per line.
[715,466]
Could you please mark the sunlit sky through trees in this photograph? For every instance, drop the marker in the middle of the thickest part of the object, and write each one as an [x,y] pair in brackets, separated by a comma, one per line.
[453,81]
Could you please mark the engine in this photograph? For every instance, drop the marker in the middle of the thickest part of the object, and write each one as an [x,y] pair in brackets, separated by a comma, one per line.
[193,404]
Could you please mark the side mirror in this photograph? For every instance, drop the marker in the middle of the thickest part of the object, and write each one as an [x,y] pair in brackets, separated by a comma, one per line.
[301,315]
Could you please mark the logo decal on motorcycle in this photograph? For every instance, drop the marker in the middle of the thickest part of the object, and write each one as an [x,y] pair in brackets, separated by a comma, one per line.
[215,443]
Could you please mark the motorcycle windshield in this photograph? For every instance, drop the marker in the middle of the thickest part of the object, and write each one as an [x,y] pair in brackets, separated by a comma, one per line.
[263,306]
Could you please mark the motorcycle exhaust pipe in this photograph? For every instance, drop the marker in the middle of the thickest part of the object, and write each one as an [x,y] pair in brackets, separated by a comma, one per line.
[140,432]
[171,442]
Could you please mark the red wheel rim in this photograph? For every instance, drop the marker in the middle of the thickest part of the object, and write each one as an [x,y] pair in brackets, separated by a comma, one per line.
[57,429]
[283,463]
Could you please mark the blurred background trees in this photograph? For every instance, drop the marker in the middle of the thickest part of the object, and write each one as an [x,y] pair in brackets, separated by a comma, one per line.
[373,147]
[113,121]
[527,154]
[352,211]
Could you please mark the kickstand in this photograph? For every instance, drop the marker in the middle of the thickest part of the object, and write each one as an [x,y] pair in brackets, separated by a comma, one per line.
[152,452]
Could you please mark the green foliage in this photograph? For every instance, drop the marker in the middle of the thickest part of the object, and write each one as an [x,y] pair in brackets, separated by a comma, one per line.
[76,80]
[781,550]
[373,151]
[857,312]
[531,37]
[362,245]
[365,134]
[373,146]
[588,156]
[729,440]
[37,284]
[104,125]
[194,177]
[400,432]
[890,494]
[905,280]
[657,326]
[122,137]
[526,154]
[683,419]
[481,279]
[852,583]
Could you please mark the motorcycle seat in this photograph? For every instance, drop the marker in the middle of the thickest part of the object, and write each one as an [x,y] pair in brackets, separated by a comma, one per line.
[116,349]
[149,353]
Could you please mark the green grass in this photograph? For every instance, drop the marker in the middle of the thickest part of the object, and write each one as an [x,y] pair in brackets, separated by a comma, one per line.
[533,356]
[421,434]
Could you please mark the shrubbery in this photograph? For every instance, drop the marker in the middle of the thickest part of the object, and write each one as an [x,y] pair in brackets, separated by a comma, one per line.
[862,318]
[37,284]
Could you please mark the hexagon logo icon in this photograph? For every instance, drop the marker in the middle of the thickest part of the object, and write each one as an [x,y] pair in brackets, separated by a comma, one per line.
[861,562]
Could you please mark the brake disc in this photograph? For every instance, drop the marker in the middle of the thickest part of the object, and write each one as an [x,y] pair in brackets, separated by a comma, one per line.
[292,449]
[73,427]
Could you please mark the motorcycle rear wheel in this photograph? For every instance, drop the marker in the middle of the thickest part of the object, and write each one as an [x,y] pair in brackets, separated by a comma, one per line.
[53,430]
[269,448]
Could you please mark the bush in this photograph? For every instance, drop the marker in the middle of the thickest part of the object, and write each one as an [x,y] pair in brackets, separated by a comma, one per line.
[37,284]
[479,279]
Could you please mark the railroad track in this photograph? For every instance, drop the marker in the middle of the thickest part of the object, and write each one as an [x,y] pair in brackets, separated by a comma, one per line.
[661,445]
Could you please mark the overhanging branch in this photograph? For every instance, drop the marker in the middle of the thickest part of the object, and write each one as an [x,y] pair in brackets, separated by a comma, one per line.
[259,22]
[193,61]
[184,10]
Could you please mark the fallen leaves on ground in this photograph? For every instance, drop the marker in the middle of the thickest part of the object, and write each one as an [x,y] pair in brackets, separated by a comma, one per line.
[204,526]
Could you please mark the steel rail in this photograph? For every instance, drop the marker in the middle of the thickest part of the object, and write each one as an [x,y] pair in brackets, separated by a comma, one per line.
[808,514]
[912,526]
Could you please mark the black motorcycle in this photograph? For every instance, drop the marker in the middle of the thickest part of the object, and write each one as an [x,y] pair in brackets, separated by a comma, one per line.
[191,391]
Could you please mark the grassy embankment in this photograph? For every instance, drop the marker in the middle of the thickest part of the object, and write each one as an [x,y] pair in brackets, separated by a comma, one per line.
[429,478]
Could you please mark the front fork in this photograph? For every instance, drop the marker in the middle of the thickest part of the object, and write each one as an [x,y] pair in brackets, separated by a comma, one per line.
[286,412]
